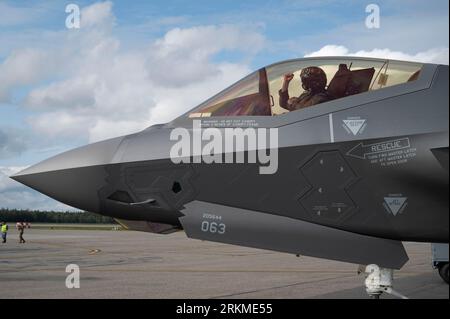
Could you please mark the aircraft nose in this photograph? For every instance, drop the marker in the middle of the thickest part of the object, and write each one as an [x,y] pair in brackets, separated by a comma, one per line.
[73,177]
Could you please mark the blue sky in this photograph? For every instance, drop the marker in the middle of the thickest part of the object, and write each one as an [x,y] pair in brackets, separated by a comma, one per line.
[137,63]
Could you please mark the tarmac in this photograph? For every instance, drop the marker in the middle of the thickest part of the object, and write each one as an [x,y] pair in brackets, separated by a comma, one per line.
[128,264]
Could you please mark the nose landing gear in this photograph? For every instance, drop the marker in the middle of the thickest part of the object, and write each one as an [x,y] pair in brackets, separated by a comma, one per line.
[379,280]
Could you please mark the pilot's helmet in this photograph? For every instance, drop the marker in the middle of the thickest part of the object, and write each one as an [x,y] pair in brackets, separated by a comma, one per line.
[313,79]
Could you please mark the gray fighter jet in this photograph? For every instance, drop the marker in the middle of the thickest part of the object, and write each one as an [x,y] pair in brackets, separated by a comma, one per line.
[339,158]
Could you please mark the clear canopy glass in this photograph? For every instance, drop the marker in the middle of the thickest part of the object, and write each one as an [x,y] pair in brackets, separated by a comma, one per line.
[258,94]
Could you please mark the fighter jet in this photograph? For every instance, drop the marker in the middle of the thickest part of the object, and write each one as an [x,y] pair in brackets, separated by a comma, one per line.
[340,158]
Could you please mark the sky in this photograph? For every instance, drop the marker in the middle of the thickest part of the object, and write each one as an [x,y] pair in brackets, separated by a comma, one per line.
[132,64]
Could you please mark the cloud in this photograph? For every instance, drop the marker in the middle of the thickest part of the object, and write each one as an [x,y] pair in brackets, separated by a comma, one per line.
[15,15]
[72,93]
[6,183]
[12,142]
[59,53]
[404,27]
[436,55]
[106,91]
[183,56]
[23,67]
[203,41]
[98,15]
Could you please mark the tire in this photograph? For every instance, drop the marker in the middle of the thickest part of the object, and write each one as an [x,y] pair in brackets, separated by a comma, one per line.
[443,272]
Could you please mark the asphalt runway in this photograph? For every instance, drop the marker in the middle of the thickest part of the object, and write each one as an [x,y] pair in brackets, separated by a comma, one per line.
[127,264]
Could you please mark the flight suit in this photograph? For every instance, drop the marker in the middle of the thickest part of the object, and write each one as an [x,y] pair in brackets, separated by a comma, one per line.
[306,99]
[21,230]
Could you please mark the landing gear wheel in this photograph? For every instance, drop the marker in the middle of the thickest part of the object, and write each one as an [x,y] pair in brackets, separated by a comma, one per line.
[443,272]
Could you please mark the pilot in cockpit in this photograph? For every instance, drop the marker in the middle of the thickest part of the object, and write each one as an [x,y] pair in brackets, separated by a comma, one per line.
[314,81]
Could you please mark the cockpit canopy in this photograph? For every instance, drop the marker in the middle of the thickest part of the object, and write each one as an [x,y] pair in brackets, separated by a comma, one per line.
[258,94]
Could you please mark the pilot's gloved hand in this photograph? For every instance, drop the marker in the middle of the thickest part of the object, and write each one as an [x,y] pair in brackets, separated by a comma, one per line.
[287,78]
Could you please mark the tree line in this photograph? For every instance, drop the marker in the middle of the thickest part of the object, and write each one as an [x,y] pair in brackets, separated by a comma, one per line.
[35,216]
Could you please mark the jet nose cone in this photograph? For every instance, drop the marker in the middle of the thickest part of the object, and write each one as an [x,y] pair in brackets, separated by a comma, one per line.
[73,177]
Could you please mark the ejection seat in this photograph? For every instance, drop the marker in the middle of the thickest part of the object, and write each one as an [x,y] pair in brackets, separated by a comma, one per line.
[346,82]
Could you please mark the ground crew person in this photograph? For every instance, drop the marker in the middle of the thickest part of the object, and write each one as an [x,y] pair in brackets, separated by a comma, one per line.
[21,229]
[4,230]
